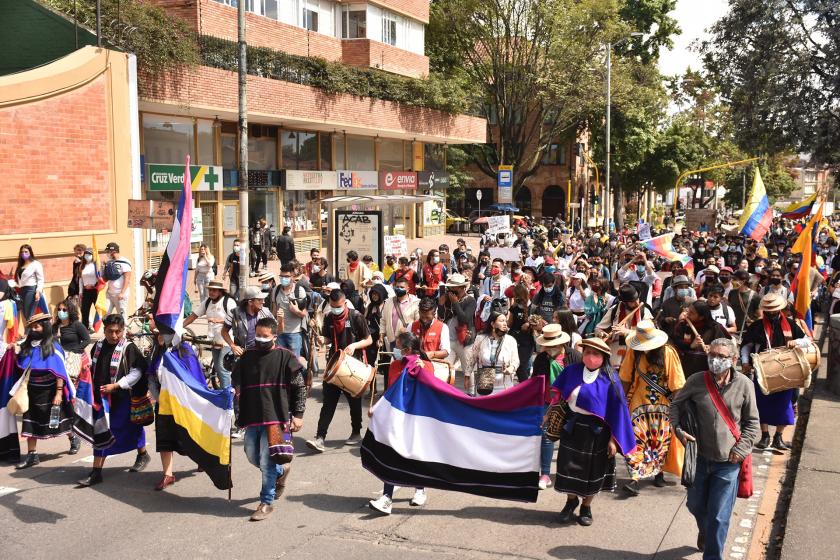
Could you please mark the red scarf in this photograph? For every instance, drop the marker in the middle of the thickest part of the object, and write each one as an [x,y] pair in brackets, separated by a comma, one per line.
[353,266]
[622,313]
[768,329]
[339,322]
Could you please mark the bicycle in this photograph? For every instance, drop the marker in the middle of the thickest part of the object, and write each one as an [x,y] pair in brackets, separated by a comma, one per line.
[198,343]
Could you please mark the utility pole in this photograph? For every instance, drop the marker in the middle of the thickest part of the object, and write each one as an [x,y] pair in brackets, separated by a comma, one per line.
[608,207]
[245,251]
[99,23]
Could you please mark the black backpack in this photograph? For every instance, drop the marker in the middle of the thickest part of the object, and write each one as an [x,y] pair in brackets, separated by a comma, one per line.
[113,269]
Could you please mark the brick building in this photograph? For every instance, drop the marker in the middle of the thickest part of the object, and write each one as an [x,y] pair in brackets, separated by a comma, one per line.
[303,142]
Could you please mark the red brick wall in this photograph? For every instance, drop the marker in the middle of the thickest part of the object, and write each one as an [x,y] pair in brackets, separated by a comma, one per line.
[217,90]
[364,52]
[54,163]
[418,9]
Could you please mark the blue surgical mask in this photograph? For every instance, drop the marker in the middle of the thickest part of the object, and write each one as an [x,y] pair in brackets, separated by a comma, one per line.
[266,287]
[336,310]
[397,354]
[63,315]
[435,260]
[285,281]
[548,289]
[683,292]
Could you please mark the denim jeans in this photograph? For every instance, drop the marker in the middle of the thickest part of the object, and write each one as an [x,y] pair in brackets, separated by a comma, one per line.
[389,490]
[293,342]
[711,500]
[546,452]
[218,365]
[256,450]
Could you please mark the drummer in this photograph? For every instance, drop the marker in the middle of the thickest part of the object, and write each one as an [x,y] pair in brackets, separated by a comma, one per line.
[775,328]
[432,332]
[346,329]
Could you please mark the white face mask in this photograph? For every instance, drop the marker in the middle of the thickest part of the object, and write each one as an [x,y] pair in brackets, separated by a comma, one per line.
[88,258]
[719,365]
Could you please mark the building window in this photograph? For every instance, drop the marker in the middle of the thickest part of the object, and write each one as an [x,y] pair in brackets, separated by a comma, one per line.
[354,23]
[310,19]
[326,151]
[206,151]
[360,154]
[262,148]
[168,139]
[391,155]
[300,150]
[389,28]
[339,152]
[555,154]
[434,157]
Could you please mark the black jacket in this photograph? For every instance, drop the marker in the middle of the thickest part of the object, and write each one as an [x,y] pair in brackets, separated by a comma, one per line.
[285,248]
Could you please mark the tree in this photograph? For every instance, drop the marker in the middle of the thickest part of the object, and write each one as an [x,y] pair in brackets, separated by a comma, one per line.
[536,66]
[777,64]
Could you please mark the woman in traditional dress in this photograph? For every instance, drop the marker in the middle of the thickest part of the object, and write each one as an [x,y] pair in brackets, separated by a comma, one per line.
[494,349]
[597,427]
[48,386]
[74,339]
[651,374]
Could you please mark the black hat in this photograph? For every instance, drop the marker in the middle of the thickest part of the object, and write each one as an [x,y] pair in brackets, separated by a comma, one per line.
[112,247]
[628,292]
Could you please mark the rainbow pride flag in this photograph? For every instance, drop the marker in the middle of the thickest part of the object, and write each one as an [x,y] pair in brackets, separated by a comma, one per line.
[663,245]
[757,216]
[799,210]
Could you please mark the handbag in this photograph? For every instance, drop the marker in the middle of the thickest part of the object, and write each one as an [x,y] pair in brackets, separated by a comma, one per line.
[281,447]
[688,424]
[487,375]
[555,420]
[19,402]
[745,479]
[142,410]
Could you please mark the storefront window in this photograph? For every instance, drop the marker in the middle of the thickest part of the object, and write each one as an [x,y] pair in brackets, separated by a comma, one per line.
[339,152]
[360,154]
[391,155]
[262,153]
[167,139]
[408,157]
[307,150]
[434,156]
[301,212]
[206,151]
[229,149]
[326,151]
[263,204]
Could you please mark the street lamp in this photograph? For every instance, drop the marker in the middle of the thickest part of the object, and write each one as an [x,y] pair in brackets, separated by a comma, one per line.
[611,208]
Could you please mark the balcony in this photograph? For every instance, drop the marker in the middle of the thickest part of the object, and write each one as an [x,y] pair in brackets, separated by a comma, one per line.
[367,53]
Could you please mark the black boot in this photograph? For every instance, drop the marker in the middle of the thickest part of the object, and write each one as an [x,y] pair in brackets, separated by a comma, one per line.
[567,514]
[632,487]
[778,443]
[141,462]
[659,481]
[764,442]
[95,477]
[75,444]
[585,516]
[31,460]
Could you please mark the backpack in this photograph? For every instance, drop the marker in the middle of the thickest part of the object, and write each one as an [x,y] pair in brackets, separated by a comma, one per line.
[113,269]
[225,299]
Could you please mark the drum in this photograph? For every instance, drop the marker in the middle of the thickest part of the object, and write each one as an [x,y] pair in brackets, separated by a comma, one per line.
[779,369]
[812,354]
[444,371]
[349,374]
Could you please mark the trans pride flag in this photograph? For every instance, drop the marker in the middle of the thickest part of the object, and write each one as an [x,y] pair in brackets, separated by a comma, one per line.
[172,275]
[663,245]
[757,216]
[424,432]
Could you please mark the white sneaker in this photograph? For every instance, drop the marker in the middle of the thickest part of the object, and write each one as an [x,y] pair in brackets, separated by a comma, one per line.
[317,444]
[545,482]
[419,498]
[382,504]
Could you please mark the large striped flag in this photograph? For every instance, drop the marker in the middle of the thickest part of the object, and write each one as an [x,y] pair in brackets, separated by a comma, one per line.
[100,305]
[799,210]
[92,421]
[172,275]
[426,433]
[9,442]
[757,216]
[802,283]
[198,418]
[663,245]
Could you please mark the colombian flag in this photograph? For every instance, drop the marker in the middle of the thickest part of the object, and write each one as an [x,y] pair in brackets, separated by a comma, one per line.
[799,210]
[99,305]
[757,216]
[802,285]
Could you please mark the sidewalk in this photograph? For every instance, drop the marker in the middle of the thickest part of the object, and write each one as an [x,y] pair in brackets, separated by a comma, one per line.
[811,527]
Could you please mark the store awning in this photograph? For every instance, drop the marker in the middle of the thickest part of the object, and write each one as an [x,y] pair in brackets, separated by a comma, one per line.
[383,199]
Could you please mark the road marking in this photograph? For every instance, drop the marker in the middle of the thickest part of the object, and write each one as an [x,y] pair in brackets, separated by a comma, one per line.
[88,459]
[4,490]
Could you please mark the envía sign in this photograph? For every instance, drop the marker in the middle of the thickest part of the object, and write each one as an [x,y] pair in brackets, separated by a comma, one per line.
[393,180]
[164,177]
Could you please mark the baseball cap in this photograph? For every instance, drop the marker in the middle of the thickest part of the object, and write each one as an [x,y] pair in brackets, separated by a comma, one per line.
[112,247]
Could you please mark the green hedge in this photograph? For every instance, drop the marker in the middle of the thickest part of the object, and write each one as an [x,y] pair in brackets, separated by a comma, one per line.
[335,78]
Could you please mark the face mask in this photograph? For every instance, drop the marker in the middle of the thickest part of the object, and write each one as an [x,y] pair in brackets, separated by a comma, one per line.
[236,248]
[775,281]
[25,255]
[316,269]
[36,335]
[724,248]
[400,291]
[725,279]
[592,362]
[683,293]
[758,269]
[548,289]
[284,281]
[496,270]
[701,250]
[88,258]
[266,287]
[264,343]
[435,260]
[719,366]
[397,353]
[63,315]
[336,310]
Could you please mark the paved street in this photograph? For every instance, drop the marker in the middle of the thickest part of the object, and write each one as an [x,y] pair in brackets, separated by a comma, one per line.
[323,514]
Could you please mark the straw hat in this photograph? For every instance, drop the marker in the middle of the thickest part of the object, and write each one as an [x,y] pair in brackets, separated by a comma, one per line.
[253,292]
[456,281]
[553,335]
[596,343]
[713,269]
[646,337]
[773,302]
[216,285]
[37,318]
[266,277]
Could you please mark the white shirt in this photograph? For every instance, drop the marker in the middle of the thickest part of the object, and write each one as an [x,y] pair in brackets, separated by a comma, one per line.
[534,262]
[32,275]
[215,310]
[589,377]
[116,286]
[576,300]
[89,275]
[724,316]
[204,266]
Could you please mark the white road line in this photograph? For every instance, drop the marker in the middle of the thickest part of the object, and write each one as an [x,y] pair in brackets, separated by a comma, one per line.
[4,490]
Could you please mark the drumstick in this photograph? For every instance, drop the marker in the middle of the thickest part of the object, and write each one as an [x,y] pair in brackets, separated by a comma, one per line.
[705,348]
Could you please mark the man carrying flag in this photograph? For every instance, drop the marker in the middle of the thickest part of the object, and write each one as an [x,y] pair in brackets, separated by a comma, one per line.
[757,216]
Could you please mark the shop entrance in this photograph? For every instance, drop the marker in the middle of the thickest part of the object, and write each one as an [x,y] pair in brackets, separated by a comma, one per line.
[554,202]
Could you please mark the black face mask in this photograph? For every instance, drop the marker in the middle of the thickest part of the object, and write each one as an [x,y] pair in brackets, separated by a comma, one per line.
[36,335]
[775,281]
[400,292]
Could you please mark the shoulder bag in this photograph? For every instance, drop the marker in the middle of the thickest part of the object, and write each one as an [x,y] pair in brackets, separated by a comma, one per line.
[19,402]
[745,479]
[487,375]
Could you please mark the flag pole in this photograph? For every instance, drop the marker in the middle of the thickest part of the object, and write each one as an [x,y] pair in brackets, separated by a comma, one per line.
[230,463]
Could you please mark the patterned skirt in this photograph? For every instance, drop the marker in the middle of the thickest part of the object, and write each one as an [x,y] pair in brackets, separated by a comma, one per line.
[583,467]
[36,421]
[652,428]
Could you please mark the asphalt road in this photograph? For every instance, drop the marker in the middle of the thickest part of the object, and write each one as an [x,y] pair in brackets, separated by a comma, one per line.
[324,514]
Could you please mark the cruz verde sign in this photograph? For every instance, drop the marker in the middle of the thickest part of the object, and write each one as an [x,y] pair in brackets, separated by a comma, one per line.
[171,177]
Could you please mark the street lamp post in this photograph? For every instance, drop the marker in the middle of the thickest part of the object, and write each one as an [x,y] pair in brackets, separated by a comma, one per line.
[610,208]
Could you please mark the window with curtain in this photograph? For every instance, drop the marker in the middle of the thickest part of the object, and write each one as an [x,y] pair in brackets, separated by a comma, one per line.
[389,28]
[354,22]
